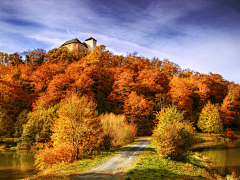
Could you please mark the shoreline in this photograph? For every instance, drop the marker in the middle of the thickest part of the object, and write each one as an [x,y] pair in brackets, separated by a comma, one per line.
[206,137]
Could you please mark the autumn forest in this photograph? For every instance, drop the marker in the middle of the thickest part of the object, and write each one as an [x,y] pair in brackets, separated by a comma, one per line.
[51,96]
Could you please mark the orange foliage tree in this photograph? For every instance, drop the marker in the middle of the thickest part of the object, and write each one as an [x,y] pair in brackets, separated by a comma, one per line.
[14,59]
[122,87]
[229,109]
[80,75]
[180,95]
[43,75]
[99,66]
[226,111]
[200,95]
[149,82]
[218,87]
[137,109]
[62,56]
[169,69]
[36,57]
[56,90]
[13,95]
[77,125]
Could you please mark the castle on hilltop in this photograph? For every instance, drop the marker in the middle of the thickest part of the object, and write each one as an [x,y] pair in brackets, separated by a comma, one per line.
[75,45]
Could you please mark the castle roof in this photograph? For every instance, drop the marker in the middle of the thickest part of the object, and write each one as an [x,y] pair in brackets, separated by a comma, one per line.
[90,39]
[71,41]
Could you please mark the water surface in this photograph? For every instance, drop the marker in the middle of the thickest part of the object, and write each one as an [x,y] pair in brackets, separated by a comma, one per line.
[225,155]
[16,164]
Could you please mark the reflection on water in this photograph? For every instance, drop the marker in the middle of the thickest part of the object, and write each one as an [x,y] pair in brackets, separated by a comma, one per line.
[16,164]
[225,155]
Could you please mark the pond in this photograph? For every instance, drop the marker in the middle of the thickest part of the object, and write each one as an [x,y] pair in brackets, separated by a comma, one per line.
[225,155]
[16,164]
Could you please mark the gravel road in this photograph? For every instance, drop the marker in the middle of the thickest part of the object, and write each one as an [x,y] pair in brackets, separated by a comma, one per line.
[112,168]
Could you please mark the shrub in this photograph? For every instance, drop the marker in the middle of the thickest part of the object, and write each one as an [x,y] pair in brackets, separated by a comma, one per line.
[48,157]
[172,137]
[230,134]
[116,130]
[209,119]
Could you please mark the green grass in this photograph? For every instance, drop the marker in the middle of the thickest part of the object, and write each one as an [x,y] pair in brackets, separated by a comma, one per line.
[237,133]
[149,165]
[74,169]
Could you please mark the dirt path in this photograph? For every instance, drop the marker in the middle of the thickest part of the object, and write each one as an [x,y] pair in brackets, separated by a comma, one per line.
[112,168]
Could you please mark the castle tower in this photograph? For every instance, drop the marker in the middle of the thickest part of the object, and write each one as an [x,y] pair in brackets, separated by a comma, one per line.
[91,43]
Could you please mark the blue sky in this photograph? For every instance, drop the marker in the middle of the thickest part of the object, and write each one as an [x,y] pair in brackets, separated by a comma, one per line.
[203,35]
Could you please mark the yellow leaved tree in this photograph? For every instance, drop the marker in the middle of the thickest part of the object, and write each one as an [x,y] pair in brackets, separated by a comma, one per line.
[209,120]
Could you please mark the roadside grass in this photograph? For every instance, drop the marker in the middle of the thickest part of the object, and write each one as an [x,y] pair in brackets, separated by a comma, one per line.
[150,165]
[67,172]
[237,133]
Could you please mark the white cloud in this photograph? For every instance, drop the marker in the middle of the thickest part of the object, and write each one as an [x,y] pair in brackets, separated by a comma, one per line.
[161,29]
[54,42]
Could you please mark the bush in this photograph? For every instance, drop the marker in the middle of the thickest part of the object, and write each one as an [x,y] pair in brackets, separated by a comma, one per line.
[172,137]
[116,130]
[209,119]
[230,134]
[49,157]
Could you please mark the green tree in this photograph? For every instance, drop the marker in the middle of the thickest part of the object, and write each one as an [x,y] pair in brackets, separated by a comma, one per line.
[20,122]
[209,119]
[39,125]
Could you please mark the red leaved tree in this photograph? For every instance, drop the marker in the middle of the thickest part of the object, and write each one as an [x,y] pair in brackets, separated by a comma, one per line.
[137,109]
[180,95]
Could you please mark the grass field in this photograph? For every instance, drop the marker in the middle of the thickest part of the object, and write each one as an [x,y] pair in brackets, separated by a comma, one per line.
[150,165]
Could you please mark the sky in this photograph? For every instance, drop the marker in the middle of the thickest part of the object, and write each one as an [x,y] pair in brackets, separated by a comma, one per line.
[202,35]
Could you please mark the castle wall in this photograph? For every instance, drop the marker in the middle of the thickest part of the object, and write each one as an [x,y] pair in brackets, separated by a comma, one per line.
[91,44]
[76,47]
